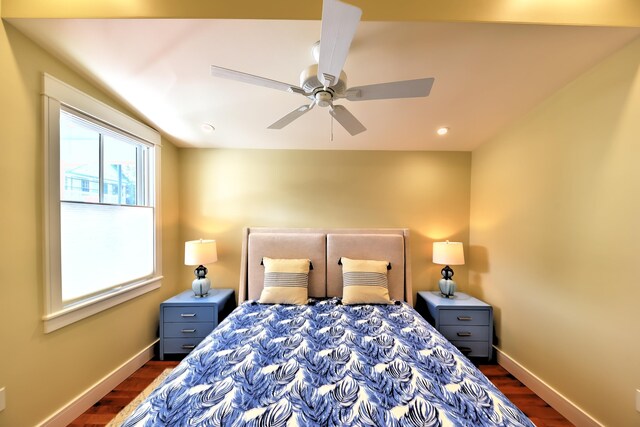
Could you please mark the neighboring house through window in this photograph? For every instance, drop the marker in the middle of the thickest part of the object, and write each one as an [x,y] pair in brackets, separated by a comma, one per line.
[101,216]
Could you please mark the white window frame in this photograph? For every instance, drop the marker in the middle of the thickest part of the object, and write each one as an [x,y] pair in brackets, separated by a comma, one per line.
[55,95]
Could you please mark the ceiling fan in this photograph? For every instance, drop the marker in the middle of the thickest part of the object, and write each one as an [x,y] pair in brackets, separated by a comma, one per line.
[325,82]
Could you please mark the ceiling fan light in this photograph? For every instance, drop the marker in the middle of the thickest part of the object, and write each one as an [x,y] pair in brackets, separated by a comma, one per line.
[323,98]
[442,131]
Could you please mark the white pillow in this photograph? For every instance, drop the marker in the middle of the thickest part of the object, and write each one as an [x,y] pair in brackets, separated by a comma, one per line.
[285,281]
[364,281]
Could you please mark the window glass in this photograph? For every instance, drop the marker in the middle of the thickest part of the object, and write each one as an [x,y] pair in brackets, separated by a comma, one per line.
[120,171]
[103,246]
[103,243]
[79,160]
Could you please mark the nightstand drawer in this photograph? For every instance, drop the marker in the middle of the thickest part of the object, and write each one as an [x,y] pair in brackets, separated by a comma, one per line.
[190,314]
[473,348]
[464,317]
[187,330]
[180,345]
[465,333]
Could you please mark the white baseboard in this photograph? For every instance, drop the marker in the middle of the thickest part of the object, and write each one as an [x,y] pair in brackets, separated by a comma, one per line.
[84,401]
[555,399]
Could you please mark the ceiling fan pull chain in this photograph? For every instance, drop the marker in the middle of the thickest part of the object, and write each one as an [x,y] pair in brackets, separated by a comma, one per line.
[331,128]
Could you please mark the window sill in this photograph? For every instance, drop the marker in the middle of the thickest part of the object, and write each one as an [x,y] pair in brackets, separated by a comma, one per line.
[74,313]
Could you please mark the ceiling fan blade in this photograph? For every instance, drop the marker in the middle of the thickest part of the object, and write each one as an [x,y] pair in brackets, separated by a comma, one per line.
[347,120]
[226,73]
[404,89]
[339,23]
[291,116]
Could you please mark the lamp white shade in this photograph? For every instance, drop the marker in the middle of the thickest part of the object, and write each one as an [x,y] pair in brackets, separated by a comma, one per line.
[448,253]
[200,252]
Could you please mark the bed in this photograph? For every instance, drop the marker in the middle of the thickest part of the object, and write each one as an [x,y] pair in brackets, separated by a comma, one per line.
[325,362]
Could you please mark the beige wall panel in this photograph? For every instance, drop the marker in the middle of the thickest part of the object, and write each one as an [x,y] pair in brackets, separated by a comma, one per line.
[42,373]
[555,235]
[226,190]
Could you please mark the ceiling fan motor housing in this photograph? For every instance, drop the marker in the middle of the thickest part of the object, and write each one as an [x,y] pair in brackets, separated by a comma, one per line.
[310,83]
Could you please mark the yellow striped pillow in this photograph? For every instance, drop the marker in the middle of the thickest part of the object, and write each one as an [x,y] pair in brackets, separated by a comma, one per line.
[285,281]
[364,281]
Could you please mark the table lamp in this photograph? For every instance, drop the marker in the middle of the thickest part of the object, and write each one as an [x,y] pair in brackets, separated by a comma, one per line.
[447,253]
[199,252]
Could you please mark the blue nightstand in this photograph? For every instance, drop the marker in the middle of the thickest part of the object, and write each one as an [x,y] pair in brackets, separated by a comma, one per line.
[464,320]
[185,320]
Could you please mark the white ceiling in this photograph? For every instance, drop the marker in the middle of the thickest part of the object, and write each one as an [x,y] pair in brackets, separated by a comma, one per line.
[486,76]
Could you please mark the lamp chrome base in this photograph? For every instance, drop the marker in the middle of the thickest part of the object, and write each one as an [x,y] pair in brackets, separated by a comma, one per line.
[201,296]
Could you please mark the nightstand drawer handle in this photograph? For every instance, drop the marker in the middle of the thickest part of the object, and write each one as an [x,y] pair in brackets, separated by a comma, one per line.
[188,331]
[187,315]
[188,346]
[465,350]
[464,334]
[465,318]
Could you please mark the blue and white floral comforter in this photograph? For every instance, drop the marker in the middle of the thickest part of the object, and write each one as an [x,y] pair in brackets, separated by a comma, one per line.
[326,364]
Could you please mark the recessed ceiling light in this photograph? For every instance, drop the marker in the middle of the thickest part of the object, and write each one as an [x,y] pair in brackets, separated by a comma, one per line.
[442,131]
[206,127]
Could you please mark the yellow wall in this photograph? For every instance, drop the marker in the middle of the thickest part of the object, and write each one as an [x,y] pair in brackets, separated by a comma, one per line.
[223,191]
[41,372]
[555,217]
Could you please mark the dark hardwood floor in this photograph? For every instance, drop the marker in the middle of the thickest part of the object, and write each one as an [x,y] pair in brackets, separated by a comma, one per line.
[109,406]
[106,409]
[538,411]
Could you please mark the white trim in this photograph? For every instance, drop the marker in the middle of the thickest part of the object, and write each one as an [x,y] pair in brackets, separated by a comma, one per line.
[54,88]
[51,204]
[554,398]
[155,200]
[68,315]
[72,410]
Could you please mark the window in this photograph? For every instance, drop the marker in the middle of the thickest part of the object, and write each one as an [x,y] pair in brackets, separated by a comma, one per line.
[101,196]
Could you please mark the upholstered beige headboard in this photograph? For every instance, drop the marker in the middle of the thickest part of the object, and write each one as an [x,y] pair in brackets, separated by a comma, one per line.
[324,247]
